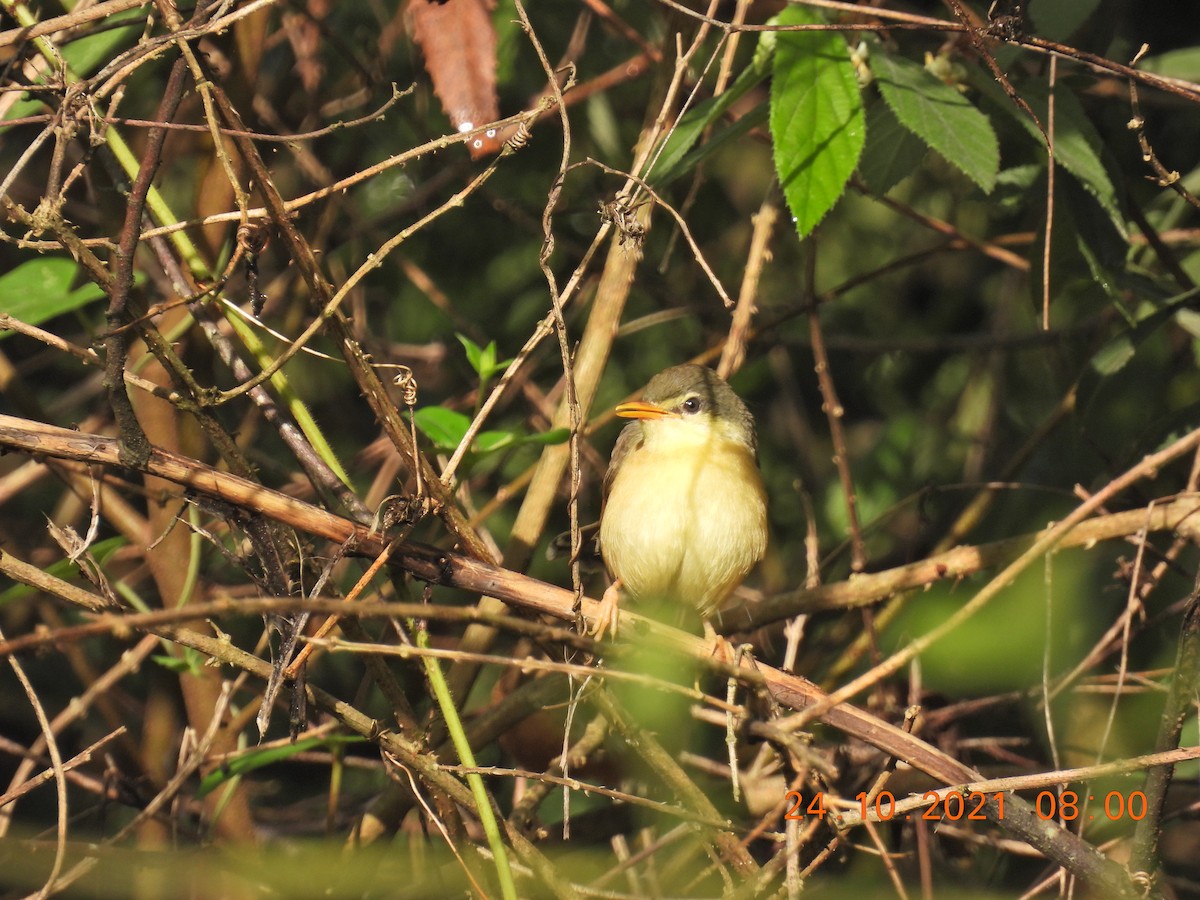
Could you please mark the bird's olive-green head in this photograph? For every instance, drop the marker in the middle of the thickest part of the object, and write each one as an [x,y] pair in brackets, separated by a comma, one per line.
[696,398]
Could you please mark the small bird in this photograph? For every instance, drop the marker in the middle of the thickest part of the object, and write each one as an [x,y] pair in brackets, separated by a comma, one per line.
[684,518]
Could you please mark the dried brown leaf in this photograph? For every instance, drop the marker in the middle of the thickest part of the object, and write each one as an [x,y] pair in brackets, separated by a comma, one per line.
[459,45]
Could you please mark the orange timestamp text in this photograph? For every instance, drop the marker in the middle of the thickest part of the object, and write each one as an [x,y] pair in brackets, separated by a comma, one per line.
[970,806]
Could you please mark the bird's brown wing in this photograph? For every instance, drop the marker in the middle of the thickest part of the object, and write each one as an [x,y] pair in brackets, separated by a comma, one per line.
[560,545]
[627,442]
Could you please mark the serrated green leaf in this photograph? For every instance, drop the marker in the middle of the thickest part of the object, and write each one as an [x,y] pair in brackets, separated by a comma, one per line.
[817,121]
[445,427]
[670,162]
[257,759]
[892,151]
[940,116]
[40,289]
[1077,148]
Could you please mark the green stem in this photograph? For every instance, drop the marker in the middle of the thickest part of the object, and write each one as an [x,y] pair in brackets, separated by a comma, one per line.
[458,737]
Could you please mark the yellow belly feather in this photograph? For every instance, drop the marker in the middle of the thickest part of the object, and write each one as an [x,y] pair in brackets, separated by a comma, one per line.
[685,523]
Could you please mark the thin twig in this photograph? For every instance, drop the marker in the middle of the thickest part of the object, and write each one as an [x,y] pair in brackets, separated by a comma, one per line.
[734,352]
[60,775]
[834,413]
[1051,167]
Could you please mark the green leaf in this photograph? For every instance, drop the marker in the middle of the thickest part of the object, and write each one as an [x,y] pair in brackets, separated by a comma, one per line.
[817,121]
[490,441]
[483,359]
[1183,63]
[553,436]
[65,569]
[445,427]
[670,161]
[718,139]
[171,663]
[474,351]
[1057,20]
[892,151]
[1189,321]
[257,759]
[1113,356]
[1077,146]
[192,662]
[940,116]
[40,289]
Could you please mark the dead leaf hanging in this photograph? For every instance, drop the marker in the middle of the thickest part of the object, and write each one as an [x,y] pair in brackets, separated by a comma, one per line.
[459,45]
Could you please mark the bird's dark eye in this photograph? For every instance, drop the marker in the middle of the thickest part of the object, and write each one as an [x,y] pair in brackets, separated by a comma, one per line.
[691,405]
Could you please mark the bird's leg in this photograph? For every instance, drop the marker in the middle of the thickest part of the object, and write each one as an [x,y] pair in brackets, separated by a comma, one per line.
[721,648]
[608,613]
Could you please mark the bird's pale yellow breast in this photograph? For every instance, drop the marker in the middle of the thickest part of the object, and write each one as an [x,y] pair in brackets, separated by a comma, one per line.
[686,516]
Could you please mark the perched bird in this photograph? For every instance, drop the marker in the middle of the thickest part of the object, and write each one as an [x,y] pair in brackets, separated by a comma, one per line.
[685,512]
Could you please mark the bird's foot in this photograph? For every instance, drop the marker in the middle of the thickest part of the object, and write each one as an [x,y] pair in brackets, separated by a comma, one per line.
[720,647]
[608,613]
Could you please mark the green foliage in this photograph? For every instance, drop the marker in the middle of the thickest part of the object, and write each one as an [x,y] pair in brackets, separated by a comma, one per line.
[483,359]
[41,289]
[1042,613]
[1059,19]
[1183,64]
[268,756]
[190,662]
[446,428]
[673,158]
[817,121]
[892,152]
[64,569]
[1077,146]
[1122,347]
[940,116]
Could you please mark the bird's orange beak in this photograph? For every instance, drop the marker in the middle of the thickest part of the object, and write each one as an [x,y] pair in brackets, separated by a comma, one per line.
[640,409]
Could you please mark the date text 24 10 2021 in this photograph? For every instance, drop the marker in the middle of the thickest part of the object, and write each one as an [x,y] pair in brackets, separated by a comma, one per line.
[970,807]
